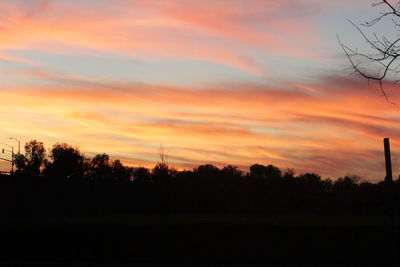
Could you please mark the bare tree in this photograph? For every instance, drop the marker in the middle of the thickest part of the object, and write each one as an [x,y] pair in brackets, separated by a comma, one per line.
[163,155]
[380,61]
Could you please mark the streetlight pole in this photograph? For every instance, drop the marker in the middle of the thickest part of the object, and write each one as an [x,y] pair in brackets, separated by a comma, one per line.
[12,162]
[12,156]
[19,144]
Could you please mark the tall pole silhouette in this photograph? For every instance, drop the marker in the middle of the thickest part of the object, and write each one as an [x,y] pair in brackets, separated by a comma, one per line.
[12,162]
[19,144]
[390,201]
[388,161]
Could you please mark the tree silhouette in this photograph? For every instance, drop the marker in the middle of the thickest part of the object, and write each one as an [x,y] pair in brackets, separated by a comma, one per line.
[100,167]
[120,172]
[312,182]
[231,172]
[380,59]
[207,170]
[34,158]
[141,175]
[20,162]
[162,172]
[207,187]
[346,185]
[288,175]
[269,173]
[66,162]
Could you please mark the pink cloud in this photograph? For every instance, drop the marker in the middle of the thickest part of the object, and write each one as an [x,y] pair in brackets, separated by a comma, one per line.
[212,31]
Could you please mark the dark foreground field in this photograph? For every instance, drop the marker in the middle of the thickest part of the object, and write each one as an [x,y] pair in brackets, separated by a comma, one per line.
[197,238]
[199,219]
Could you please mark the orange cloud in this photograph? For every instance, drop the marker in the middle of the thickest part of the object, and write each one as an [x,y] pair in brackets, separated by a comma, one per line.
[341,122]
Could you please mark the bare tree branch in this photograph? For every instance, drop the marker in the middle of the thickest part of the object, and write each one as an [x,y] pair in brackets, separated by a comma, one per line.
[381,62]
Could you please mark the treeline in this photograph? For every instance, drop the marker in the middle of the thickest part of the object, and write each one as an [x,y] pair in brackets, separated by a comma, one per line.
[62,180]
[64,161]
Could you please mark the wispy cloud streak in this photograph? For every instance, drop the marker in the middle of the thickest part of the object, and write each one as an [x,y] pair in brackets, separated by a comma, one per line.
[55,87]
[287,126]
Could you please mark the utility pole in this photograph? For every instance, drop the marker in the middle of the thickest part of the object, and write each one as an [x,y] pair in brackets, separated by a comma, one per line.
[19,144]
[388,161]
[389,186]
[12,158]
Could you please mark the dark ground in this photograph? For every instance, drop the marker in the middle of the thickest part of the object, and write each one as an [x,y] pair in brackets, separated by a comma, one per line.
[197,238]
[243,221]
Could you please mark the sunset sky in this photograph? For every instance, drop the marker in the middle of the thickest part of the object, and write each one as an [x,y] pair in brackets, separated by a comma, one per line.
[223,82]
